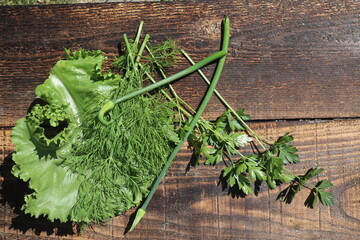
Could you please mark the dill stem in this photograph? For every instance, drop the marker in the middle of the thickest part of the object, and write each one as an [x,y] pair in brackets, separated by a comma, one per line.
[161,83]
[259,139]
[172,78]
[225,42]
[138,34]
[142,47]
[128,48]
[176,96]
[136,63]
[161,71]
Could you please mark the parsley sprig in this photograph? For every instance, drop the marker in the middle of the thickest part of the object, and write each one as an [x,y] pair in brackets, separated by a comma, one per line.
[266,164]
[224,141]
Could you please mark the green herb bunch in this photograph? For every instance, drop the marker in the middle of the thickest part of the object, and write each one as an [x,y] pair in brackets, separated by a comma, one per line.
[78,168]
[102,140]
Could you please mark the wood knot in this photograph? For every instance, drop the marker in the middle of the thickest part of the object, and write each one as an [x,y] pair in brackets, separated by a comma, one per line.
[209,27]
[350,199]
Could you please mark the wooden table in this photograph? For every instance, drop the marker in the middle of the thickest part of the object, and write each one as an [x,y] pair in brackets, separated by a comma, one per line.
[294,65]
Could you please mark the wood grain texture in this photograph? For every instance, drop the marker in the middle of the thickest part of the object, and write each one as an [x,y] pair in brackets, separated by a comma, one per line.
[288,59]
[193,206]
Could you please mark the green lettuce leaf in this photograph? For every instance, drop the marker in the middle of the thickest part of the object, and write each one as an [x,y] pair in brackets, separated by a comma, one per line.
[39,158]
[78,168]
[55,188]
[77,81]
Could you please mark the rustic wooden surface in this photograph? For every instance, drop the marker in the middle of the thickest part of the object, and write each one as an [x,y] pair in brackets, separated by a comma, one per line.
[289,60]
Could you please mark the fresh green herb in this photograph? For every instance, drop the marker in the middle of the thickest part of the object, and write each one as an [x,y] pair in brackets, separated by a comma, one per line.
[101,141]
[102,170]
[316,192]
[225,42]
[284,150]
[215,143]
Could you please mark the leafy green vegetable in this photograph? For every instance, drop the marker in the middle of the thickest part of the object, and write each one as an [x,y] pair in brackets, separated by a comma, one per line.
[99,142]
[55,187]
[89,172]
[39,157]
[326,198]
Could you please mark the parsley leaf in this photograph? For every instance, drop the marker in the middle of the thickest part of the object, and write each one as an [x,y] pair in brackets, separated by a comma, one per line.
[284,150]
[316,193]
[326,198]
[324,184]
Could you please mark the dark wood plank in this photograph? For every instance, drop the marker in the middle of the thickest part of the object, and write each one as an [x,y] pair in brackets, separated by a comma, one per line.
[288,59]
[193,206]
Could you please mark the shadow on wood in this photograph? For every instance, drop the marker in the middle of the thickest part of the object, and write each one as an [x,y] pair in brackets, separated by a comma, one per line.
[13,191]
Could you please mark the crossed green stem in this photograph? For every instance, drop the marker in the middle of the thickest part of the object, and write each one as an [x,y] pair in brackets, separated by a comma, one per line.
[225,42]
[260,140]
[220,56]
[110,105]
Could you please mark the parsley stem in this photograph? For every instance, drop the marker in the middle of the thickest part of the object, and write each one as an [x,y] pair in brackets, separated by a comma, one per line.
[259,139]
[225,42]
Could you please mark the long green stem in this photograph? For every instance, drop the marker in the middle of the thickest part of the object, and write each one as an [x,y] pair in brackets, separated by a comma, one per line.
[177,98]
[227,105]
[225,42]
[138,34]
[142,47]
[108,106]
